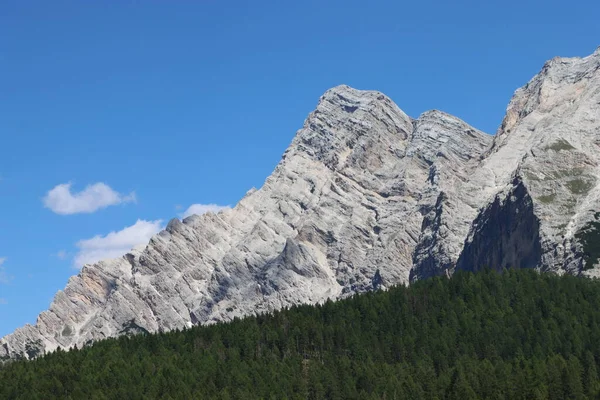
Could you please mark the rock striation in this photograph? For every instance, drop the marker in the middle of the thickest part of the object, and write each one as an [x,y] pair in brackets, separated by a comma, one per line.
[364,197]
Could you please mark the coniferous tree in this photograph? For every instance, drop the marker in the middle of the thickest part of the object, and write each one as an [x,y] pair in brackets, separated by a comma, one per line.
[516,335]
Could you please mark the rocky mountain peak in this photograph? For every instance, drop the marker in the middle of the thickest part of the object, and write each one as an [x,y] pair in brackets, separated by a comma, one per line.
[364,198]
[559,84]
[345,117]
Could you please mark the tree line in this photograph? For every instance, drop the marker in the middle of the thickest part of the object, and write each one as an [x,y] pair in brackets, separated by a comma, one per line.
[513,335]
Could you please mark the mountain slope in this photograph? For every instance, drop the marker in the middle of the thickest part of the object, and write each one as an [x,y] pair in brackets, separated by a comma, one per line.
[546,156]
[365,197]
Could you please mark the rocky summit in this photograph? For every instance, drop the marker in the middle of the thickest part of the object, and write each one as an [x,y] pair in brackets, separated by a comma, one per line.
[364,198]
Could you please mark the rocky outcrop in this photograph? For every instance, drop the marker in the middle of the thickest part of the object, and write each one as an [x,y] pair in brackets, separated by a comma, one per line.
[505,234]
[365,197]
[548,143]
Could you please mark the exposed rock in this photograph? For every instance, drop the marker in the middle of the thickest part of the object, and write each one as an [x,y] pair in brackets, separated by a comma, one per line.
[506,234]
[364,198]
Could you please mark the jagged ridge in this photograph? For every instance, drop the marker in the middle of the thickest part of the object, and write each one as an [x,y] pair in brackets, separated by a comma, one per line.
[364,197]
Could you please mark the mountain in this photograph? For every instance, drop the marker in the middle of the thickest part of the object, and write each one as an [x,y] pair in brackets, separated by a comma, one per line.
[364,198]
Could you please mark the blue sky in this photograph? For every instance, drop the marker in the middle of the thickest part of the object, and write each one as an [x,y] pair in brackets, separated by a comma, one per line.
[116,116]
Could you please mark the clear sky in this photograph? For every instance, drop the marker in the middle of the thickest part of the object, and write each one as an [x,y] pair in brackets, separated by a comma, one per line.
[116,116]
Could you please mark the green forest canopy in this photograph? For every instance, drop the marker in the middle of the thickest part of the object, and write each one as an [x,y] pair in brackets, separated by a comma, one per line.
[516,335]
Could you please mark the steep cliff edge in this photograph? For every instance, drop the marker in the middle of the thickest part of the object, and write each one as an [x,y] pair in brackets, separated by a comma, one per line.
[547,149]
[364,197]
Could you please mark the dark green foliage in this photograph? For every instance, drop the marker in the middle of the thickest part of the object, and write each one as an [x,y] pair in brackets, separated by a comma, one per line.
[516,335]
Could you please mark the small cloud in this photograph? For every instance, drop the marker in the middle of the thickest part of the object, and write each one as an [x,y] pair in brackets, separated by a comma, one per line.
[4,277]
[62,201]
[200,209]
[115,244]
[178,207]
[62,255]
[3,301]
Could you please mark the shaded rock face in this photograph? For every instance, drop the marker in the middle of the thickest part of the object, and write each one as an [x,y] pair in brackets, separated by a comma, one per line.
[364,197]
[506,234]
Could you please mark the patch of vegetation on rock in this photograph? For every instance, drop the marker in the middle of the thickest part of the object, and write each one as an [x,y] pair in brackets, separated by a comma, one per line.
[580,186]
[546,199]
[561,145]
[565,173]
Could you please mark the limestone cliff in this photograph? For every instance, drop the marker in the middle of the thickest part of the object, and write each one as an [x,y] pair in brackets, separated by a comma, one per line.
[364,197]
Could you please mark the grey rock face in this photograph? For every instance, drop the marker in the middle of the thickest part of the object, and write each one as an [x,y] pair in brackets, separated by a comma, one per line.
[364,198]
[548,144]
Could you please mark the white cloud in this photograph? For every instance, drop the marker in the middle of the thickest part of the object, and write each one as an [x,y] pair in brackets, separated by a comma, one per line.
[115,244]
[201,209]
[62,201]
[4,277]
